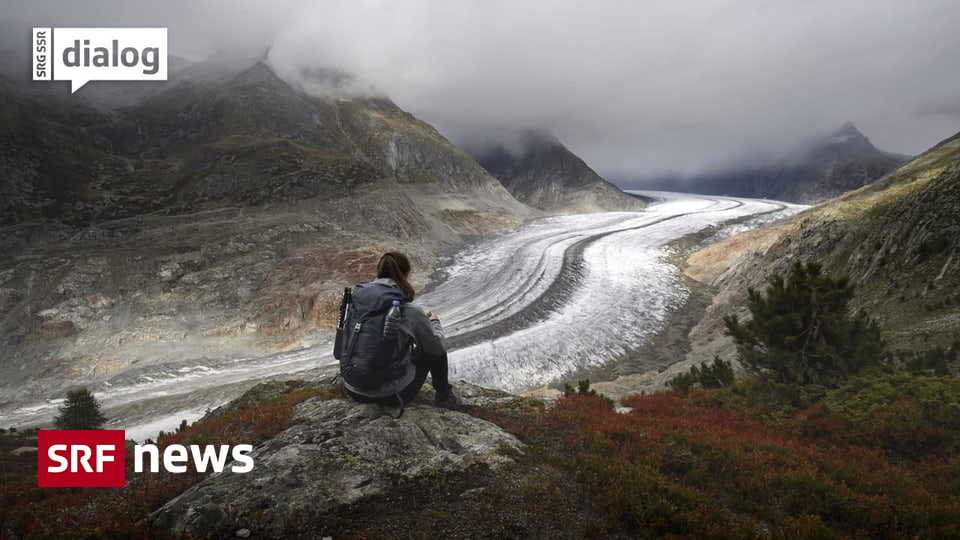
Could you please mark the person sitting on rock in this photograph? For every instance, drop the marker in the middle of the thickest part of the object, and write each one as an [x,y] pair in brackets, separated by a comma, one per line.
[420,348]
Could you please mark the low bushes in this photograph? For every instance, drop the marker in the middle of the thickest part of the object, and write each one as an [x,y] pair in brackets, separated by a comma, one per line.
[715,375]
[866,461]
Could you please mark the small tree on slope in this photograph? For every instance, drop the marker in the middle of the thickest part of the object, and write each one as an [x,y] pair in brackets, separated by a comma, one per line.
[801,331]
[80,411]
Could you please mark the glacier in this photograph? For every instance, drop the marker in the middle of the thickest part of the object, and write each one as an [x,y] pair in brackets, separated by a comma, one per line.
[520,309]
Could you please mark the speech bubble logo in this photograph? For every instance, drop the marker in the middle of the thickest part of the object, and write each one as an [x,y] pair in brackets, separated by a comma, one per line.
[81,55]
[76,84]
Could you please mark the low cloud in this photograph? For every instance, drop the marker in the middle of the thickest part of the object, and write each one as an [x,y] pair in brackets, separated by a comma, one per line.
[635,88]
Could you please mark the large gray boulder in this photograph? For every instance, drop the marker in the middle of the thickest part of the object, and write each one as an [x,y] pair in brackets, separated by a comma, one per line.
[338,453]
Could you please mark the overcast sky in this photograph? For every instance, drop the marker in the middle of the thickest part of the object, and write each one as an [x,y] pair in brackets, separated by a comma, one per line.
[634,87]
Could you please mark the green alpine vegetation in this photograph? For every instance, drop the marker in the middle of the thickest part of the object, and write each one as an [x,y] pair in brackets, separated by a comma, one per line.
[801,331]
[81,410]
[717,374]
[865,443]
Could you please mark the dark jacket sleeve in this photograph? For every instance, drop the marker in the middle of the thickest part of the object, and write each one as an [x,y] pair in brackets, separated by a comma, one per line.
[427,334]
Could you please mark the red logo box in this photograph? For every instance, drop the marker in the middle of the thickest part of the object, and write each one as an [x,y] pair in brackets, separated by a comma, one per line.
[81,458]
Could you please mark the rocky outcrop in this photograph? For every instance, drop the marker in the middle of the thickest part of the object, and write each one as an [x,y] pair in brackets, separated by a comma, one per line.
[338,453]
[540,171]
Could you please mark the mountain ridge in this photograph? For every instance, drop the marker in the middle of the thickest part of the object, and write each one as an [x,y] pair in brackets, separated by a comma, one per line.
[222,214]
[825,167]
[540,171]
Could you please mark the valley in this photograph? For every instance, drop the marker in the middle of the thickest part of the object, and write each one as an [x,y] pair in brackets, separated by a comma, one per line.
[521,308]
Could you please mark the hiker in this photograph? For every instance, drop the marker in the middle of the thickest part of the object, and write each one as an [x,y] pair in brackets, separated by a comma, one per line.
[391,378]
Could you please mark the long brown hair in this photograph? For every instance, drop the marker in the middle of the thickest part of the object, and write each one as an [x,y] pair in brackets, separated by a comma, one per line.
[396,266]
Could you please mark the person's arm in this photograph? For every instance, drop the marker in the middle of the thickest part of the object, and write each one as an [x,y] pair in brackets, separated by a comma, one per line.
[426,332]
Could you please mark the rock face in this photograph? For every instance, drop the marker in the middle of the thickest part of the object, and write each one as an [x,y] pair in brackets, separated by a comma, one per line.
[219,218]
[836,163]
[898,239]
[540,171]
[339,453]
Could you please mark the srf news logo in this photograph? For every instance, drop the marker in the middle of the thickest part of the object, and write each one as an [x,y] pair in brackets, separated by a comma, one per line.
[98,458]
[81,55]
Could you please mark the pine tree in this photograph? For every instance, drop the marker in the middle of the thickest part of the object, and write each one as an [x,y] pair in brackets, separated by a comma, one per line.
[80,411]
[801,331]
[715,375]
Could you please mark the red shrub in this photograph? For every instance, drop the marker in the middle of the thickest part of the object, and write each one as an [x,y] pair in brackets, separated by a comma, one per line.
[701,464]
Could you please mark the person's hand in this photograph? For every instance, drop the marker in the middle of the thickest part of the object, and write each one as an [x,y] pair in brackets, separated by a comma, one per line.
[432,316]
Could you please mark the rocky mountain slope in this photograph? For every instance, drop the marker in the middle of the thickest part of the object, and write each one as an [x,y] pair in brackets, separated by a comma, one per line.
[540,171]
[898,238]
[836,163]
[222,215]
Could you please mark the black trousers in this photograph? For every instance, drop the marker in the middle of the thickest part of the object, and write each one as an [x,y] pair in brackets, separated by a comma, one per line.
[427,364]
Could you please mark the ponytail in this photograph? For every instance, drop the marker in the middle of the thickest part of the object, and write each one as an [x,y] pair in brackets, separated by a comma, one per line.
[396,266]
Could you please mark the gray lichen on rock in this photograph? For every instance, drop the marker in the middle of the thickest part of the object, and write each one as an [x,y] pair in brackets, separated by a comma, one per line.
[339,452]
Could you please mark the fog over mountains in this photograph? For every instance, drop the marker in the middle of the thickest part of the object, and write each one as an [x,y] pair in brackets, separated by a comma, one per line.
[540,171]
[222,214]
[825,167]
[635,89]
[170,245]
[223,208]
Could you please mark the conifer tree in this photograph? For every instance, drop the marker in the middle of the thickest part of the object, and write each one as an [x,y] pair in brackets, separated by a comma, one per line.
[80,411]
[801,331]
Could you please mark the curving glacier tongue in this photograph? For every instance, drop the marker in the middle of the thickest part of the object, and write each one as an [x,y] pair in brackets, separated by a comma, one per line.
[573,292]
[520,309]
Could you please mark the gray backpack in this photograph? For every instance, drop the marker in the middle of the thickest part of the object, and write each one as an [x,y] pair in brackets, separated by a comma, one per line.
[368,361]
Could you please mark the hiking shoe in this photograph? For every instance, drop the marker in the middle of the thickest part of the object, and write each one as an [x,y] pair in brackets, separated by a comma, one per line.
[447,400]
